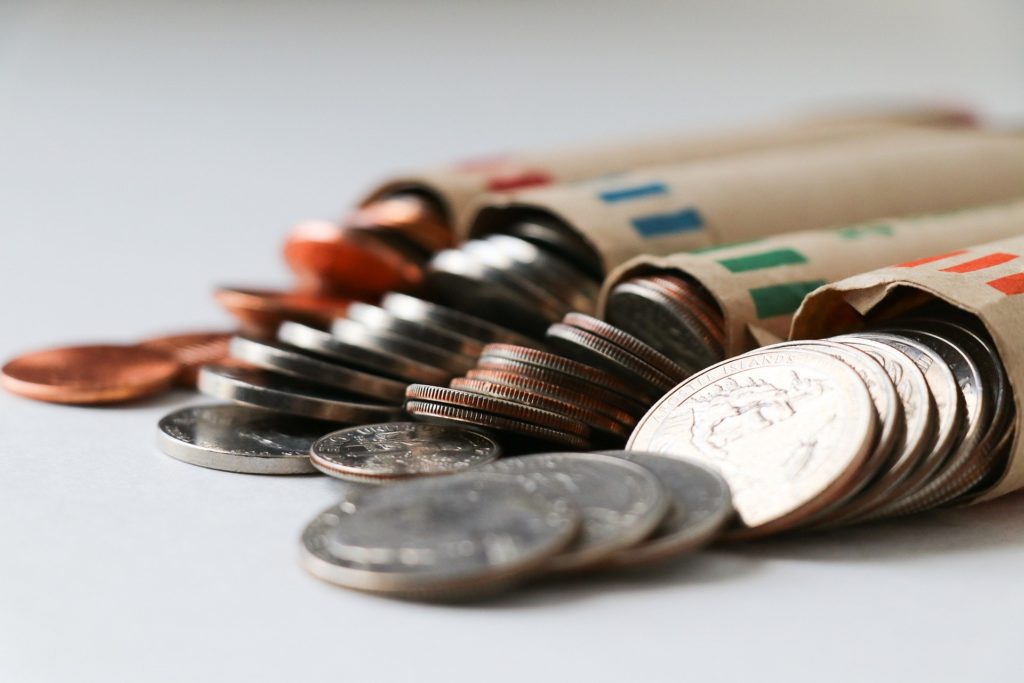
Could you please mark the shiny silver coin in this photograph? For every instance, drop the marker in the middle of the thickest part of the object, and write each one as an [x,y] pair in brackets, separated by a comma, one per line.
[447,414]
[620,502]
[701,509]
[356,334]
[392,365]
[240,439]
[577,290]
[288,360]
[525,282]
[627,342]
[381,320]
[559,239]
[415,310]
[269,390]
[439,538]
[399,450]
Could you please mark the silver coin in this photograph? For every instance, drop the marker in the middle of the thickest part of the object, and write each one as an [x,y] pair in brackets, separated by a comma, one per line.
[526,282]
[240,439]
[701,509]
[569,284]
[439,538]
[289,361]
[559,239]
[410,308]
[620,502]
[264,389]
[389,364]
[397,450]
[356,334]
[381,320]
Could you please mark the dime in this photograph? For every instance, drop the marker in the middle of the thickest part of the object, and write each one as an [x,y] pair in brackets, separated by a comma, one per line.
[701,509]
[289,361]
[400,450]
[356,334]
[388,364]
[269,390]
[441,413]
[192,351]
[417,310]
[627,342]
[381,320]
[90,374]
[788,429]
[260,311]
[620,502]
[439,538]
[240,439]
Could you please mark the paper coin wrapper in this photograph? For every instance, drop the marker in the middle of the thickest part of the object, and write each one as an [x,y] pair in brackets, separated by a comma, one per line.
[759,285]
[986,281]
[455,188]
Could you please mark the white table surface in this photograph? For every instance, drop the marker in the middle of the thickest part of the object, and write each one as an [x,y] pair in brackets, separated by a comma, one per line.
[151,150]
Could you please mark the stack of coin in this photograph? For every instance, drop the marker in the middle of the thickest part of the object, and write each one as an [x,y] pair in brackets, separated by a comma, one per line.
[499,524]
[831,432]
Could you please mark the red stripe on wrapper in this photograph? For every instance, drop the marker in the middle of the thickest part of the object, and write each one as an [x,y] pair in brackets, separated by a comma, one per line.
[1009,285]
[515,181]
[982,263]
[930,259]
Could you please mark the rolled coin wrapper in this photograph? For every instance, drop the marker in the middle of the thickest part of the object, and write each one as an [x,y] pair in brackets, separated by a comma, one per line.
[668,209]
[457,188]
[986,281]
[759,285]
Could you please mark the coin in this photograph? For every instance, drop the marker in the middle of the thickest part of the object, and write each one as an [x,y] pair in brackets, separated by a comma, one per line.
[260,311]
[701,509]
[388,364]
[439,538]
[192,351]
[788,430]
[356,334]
[240,439]
[289,361]
[522,280]
[571,285]
[380,320]
[620,502]
[559,239]
[417,310]
[90,374]
[628,342]
[401,450]
[263,389]
[442,413]
[414,215]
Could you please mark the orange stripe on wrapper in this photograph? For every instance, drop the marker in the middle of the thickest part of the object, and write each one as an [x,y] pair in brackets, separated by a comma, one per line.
[1009,285]
[930,259]
[987,261]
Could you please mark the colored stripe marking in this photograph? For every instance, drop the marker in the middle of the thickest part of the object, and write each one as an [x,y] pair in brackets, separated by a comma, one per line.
[661,224]
[721,247]
[782,299]
[766,259]
[980,263]
[504,183]
[930,259]
[854,232]
[636,192]
[1009,285]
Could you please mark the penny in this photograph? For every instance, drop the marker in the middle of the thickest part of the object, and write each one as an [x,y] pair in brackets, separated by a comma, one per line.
[629,343]
[240,439]
[442,413]
[356,334]
[417,310]
[90,374]
[260,311]
[620,502]
[701,509]
[414,215]
[400,450]
[287,360]
[788,429]
[382,321]
[439,537]
[262,389]
[192,351]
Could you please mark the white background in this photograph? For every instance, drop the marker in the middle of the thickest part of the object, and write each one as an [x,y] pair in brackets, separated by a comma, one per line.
[151,150]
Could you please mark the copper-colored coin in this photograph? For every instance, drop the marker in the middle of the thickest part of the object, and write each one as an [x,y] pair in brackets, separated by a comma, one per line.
[260,311]
[495,406]
[192,351]
[551,361]
[412,215]
[90,374]
[442,413]
[627,342]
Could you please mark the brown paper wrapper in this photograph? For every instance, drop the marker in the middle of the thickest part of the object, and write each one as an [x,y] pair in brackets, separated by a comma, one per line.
[759,285]
[986,281]
[669,209]
[457,187]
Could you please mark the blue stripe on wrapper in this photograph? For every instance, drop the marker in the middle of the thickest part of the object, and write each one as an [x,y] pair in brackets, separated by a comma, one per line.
[624,194]
[659,225]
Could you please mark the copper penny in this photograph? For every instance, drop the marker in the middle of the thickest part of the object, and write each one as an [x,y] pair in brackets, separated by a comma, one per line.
[90,374]
[192,351]
[414,216]
[261,311]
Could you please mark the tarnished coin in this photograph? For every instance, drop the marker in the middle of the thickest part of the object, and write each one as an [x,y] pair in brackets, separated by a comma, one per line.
[439,538]
[264,389]
[642,350]
[389,364]
[288,360]
[381,320]
[701,509]
[443,413]
[412,309]
[788,429]
[620,502]
[400,450]
[240,439]
[356,334]
[90,374]
[192,350]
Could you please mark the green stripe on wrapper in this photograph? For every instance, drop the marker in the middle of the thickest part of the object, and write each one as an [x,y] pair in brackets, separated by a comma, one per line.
[765,259]
[782,299]
[855,232]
